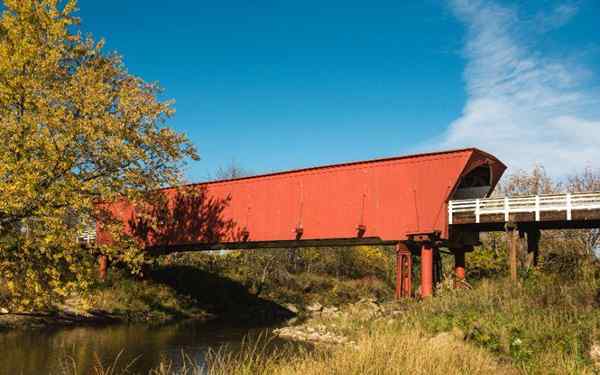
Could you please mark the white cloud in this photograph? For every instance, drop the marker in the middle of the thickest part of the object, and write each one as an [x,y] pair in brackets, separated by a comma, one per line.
[523,106]
[556,17]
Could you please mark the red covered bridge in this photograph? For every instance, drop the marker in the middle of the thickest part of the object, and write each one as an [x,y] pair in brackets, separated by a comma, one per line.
[400,201]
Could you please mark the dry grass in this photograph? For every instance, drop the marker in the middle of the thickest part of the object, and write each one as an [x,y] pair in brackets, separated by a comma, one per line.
[384,351]
[408,352]
[544,326]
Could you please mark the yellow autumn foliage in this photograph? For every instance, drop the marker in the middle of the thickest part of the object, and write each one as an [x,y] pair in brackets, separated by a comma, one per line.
[76,128]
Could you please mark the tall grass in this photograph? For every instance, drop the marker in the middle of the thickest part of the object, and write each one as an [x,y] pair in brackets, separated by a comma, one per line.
[383,351]
[388,351]
[545,325]
[69,366]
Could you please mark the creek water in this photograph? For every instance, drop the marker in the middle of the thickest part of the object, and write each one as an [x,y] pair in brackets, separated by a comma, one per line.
[50,351]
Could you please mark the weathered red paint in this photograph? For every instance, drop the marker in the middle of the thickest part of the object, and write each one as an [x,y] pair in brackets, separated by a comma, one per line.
[386,198]
[403,271]
[391,199]
[426,270]
[102,267]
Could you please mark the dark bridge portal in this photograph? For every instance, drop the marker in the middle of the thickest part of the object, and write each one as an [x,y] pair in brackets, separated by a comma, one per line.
[401,201]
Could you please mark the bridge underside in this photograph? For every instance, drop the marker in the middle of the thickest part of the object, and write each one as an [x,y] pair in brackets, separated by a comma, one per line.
[250,245]
[500,226]
[523,231]
[404,252]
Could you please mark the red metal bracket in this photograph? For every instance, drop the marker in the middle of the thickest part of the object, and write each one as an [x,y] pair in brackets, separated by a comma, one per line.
[429,237]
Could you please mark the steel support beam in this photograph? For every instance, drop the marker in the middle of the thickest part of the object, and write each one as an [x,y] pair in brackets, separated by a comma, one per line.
[426,270]
[403,272]
[250,245]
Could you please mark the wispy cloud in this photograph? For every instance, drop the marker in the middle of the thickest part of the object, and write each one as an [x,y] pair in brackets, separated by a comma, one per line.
[556,17]
[523,106]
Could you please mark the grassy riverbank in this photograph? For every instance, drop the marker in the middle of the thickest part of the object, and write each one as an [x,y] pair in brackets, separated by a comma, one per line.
[240,287]
[550,324]
[120,299]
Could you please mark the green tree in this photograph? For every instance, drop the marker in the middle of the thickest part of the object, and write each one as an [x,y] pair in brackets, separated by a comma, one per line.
[76,129]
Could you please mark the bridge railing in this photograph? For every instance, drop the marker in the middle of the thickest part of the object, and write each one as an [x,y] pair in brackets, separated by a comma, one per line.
[87,236]
[535,204]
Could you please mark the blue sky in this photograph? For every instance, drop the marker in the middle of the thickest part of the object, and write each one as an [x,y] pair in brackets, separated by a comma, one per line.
[279,84]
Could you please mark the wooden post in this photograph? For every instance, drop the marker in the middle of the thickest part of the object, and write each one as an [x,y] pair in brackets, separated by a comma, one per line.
[512,243]
[533,246]
[438,272]
[522,249]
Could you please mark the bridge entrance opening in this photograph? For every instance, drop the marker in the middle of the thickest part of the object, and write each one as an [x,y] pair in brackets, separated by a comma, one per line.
[475,184]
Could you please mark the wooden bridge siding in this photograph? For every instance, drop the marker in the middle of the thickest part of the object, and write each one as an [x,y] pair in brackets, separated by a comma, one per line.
[401,195]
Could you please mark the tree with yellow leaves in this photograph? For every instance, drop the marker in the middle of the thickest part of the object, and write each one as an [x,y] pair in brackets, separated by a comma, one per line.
[75,129]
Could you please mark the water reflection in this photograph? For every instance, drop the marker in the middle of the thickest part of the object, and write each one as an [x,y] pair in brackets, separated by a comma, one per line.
[41,352]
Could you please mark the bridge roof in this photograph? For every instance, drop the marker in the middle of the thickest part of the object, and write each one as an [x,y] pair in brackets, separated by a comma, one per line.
[473,150]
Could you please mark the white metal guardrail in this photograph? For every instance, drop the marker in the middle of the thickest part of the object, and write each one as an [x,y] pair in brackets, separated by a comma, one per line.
[535,204]
[88,235]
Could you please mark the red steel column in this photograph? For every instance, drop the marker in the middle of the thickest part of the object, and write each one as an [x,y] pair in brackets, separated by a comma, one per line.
[407,266]
[426,270]
[399,275]
[403,272]
[102,266]
[459,264]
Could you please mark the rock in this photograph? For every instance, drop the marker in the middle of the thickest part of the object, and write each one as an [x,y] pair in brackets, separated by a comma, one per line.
[367,300]
[292,308]
[314,337]
[315,307]
[316,334]
[595,354]
[330,311]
